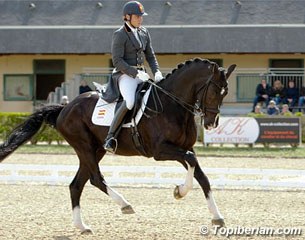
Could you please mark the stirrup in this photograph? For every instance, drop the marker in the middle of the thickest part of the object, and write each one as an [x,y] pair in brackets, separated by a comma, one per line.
[108,146]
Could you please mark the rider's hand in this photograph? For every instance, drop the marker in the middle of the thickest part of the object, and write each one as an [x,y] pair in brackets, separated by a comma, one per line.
[158,76]
[143,76]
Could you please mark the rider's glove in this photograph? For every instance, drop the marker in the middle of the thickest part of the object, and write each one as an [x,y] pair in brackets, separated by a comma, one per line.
[158,76]
[143,76]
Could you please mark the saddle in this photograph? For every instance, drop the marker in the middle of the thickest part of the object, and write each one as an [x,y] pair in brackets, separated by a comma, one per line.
[130,116]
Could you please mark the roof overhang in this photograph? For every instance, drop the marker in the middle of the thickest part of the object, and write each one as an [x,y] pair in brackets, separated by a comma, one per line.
[168,39]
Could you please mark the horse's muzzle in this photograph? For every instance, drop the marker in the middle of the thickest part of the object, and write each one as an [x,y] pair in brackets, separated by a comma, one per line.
[210,123]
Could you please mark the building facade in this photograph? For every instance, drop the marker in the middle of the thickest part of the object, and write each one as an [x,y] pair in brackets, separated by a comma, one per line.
[45,43]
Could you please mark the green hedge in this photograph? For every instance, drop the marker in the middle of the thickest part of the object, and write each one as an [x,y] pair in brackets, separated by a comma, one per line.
[10,120]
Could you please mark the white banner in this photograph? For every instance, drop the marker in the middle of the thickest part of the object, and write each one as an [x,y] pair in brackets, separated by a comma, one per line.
[233,130]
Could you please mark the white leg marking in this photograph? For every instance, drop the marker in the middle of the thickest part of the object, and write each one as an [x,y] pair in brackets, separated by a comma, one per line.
[118,198]
[77,220]
[213,207]
[188,184]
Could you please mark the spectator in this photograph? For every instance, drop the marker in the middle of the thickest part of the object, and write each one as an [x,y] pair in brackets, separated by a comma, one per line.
[262,94]
[292,95]
[64,100]
[84,87]
[278,92]
[301,99]
[272,109]
[285,110]
[258,109]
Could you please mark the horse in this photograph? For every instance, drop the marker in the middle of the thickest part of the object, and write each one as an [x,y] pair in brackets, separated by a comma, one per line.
[197,85]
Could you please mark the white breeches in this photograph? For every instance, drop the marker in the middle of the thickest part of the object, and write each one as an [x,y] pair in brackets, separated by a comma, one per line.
[128,87]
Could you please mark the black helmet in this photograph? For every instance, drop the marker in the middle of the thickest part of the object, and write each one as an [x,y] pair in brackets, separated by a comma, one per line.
[135,8]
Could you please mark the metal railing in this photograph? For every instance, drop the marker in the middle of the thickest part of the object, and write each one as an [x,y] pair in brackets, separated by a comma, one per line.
[246,81]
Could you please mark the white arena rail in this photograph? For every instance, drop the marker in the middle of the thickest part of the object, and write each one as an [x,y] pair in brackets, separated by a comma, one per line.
[155,176]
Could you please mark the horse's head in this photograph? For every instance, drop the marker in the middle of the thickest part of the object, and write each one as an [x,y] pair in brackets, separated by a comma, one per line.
[202,83]
[212,93]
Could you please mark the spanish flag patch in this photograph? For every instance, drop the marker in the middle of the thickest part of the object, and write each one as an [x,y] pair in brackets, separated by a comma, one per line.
[101,112]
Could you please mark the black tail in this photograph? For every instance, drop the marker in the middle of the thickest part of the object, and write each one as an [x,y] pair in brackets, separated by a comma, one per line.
[27,129]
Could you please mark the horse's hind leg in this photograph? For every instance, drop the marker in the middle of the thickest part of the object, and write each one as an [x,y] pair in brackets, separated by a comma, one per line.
[205,185]
[76,188]
[89,169]
[120,200]
[98,181]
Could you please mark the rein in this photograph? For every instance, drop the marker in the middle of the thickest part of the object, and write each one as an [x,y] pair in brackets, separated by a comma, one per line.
[190,108]
[193,109]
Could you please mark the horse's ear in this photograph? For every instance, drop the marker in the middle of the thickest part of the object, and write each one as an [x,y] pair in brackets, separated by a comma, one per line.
[230,70]
[215,68]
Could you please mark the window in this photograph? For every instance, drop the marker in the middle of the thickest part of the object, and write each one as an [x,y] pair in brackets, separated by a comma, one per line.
[49,74]
[286,70]
[286,63]
[246,86]
[18,87]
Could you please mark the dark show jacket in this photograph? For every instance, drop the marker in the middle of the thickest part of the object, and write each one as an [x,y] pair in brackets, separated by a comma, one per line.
[127,56]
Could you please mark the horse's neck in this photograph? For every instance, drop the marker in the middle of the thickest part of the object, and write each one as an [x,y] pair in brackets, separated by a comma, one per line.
[181,87]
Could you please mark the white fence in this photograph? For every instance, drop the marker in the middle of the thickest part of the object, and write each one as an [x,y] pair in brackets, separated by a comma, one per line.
[155,176]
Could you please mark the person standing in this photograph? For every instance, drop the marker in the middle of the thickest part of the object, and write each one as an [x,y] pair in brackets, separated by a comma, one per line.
[131,43]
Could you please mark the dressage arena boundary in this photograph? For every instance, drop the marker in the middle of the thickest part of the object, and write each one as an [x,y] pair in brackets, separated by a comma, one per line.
[155,176]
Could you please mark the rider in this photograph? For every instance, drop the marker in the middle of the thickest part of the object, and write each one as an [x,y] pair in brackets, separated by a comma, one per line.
[130,44]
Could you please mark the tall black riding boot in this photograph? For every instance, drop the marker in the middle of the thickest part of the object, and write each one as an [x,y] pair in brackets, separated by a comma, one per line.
[110,141]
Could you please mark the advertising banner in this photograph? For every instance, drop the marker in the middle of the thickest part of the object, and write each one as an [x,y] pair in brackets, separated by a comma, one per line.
[279,130]
[250,130]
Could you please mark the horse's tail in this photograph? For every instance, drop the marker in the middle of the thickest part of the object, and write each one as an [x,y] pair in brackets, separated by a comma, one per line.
[26,130]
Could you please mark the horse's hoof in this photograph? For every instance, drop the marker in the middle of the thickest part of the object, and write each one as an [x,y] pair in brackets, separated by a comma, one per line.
[127,210]
[87,231]
[176,193]
[219,222]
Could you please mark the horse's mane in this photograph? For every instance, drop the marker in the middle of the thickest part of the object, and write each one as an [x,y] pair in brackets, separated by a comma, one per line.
[181,66]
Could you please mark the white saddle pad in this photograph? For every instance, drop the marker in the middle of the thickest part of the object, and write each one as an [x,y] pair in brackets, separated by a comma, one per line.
[104,112]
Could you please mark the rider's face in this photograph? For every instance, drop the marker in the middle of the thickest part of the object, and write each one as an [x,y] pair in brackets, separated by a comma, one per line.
[136,20]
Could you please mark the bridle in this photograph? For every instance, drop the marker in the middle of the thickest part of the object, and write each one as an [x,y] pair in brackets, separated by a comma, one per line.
[197,109]
[204,88]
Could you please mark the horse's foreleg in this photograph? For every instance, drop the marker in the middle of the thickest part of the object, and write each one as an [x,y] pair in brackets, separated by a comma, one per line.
[181,190]
[205,185]
[76,188]
[188,160]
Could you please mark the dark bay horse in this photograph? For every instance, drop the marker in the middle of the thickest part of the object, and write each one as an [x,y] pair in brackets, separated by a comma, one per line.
[169,135]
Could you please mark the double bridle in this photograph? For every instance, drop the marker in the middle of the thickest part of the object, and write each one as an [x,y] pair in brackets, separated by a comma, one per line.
[198,108]
[204,88]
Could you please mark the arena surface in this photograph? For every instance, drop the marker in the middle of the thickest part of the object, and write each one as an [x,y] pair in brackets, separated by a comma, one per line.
[44,212]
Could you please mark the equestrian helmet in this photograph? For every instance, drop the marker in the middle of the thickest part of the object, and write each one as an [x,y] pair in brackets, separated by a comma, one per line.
[133,8]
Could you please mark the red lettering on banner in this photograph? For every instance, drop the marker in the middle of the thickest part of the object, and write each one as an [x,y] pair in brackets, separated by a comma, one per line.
[236,125]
